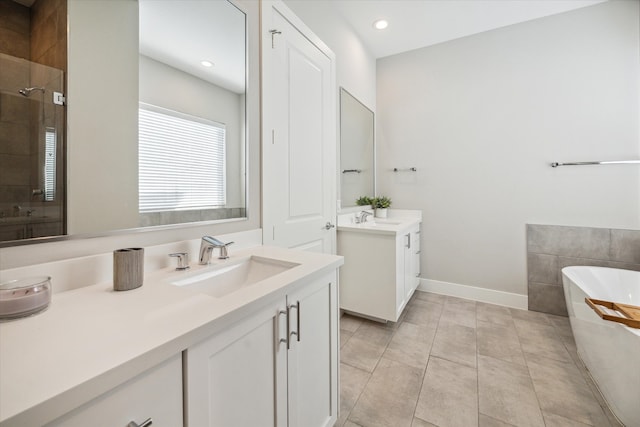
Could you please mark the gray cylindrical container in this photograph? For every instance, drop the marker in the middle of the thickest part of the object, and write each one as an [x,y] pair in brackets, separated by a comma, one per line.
[128,268]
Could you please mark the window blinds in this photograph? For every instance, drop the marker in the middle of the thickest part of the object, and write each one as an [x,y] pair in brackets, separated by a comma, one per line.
[181,161]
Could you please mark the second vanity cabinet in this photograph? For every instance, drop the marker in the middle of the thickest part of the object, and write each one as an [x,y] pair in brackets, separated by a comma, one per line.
[277,367]
[381,269]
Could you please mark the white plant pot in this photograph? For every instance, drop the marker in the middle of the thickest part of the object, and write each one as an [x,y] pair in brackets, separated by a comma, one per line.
[381,213]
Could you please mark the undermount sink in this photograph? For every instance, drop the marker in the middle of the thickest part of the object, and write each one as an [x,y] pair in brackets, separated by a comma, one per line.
[232,275]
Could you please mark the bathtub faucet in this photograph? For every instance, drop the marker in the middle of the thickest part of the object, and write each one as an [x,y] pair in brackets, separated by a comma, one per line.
[207,245]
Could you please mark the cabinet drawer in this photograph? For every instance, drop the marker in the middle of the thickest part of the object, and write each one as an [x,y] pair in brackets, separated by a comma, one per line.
[155,394]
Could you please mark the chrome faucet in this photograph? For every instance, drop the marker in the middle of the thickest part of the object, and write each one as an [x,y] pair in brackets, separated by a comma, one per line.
[183,260]
[207,245]
[362,217]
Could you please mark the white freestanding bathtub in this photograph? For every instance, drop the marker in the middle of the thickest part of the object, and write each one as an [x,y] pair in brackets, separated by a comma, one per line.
[610,350]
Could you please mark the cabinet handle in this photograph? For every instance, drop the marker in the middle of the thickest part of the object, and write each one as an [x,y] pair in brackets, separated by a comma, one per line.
[289,331]
[145,423]
[408,240]
[298,319]
[297,331]
[286,338]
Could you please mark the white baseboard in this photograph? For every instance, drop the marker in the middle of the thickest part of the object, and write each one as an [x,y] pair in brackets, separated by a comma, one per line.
[491,296]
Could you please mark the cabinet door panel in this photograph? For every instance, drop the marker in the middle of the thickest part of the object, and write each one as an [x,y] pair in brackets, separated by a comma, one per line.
[313,359]
[230,377]
[415,235]
[403,243]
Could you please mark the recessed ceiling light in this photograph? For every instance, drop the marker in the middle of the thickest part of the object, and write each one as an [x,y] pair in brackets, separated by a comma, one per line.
[380,24]
[206,63]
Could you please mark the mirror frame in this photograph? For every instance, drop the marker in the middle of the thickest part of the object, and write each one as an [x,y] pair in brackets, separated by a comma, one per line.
[251,141]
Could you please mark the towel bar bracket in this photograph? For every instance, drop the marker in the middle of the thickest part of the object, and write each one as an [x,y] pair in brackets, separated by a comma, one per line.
[612,162]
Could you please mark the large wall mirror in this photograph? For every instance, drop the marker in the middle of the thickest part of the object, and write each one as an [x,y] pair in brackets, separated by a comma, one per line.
[357,158]
[157,120]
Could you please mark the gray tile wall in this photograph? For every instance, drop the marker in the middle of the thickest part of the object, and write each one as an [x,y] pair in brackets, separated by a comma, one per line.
[552,247]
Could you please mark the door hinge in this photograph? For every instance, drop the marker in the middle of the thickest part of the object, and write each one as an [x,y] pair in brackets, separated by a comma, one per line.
[273,33]
[58,98]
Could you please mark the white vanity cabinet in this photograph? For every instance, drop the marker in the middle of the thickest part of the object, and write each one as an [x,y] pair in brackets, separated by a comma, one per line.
[276,367]
[265,354]
[381,269]
[155,394]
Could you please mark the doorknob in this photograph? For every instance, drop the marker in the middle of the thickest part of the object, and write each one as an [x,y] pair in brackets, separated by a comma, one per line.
[329,226]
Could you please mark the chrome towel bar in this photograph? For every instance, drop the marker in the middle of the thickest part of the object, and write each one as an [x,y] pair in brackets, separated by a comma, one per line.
[613,162]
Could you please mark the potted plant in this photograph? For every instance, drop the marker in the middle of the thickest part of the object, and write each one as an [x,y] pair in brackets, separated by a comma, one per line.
[380,204]
[364,201]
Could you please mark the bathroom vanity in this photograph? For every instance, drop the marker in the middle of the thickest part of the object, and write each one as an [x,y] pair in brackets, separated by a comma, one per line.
[176,351]
[382,263]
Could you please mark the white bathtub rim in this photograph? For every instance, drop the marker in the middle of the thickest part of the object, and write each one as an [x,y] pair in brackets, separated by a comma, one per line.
[576,274]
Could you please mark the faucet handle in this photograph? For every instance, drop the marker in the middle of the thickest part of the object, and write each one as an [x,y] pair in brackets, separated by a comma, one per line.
[223,251]
[183,260]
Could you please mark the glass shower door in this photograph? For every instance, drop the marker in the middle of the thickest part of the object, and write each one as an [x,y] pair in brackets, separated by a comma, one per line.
[32,196]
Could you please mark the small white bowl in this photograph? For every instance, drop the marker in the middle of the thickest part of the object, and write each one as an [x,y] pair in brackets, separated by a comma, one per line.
[24,297]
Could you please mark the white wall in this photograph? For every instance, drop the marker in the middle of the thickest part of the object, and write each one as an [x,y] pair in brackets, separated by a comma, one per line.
[483,116]
[355,66]
[102,122]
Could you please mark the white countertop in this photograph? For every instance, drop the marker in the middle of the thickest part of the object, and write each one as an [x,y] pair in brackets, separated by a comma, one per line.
[397,222]
[92,339]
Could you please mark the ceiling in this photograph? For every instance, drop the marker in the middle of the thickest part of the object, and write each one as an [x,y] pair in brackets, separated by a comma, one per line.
[418,23]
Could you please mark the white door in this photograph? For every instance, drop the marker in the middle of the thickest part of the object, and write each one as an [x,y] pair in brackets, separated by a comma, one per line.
[299,134]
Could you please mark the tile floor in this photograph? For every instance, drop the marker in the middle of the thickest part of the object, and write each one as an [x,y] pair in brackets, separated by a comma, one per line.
[455,362]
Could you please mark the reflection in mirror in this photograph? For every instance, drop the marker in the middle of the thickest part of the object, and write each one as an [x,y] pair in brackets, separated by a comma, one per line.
[32,67]
[357,161]
[192,111]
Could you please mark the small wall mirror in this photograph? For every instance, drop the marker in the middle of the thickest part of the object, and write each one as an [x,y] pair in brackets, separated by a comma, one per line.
[357,158]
